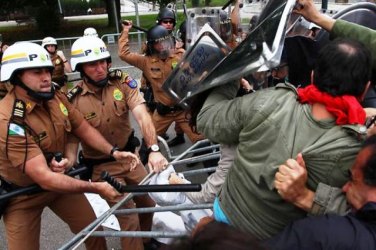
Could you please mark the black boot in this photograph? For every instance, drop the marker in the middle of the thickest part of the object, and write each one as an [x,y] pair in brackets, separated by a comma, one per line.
[179,139]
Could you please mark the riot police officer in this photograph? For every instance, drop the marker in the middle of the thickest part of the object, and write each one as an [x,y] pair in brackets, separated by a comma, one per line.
[61,64]
[160,59]
[35,123]
[106,99]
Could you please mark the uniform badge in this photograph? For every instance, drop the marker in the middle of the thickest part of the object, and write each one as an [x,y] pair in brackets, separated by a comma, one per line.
[117,94]
[28,105]
[57,61]
[90,116]
[15,129]
[132,83]
[174,64]
[63,109]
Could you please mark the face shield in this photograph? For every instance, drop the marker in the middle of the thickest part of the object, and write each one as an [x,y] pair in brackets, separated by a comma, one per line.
[163,47]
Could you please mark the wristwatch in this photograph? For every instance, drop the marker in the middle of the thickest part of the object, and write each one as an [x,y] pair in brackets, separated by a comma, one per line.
[153,148]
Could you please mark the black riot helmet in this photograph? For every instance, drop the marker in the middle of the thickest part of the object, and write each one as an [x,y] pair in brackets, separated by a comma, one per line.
[166,13]
[159,41]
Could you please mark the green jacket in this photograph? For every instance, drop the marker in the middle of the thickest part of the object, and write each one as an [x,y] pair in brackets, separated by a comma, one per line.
[270,126]
[357,32]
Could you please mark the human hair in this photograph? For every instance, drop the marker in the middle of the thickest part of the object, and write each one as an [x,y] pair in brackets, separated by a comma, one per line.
[343,67]
[217,235]
[369,168]
[195,105]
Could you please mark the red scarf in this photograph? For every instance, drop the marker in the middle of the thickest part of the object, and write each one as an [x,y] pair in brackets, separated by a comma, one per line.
[346,108]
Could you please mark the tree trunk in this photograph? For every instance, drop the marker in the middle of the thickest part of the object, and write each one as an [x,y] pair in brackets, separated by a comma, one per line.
[110,12]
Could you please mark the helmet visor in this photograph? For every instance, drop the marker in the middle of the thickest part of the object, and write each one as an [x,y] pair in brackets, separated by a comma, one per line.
[163,47]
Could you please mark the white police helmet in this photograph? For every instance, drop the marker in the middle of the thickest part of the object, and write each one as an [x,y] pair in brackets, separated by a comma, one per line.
[88,49]
[90,32]
[23,55]
[48,41]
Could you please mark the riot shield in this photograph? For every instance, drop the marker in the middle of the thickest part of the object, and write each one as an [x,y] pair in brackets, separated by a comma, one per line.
[208,50]
[197,18]
[260,51]
[360,13]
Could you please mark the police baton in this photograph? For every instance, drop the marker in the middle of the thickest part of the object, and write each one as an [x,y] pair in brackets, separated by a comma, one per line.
[149,188]
[134,26]
[36,188]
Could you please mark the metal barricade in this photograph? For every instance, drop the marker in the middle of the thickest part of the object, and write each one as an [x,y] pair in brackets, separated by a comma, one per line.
[90,230]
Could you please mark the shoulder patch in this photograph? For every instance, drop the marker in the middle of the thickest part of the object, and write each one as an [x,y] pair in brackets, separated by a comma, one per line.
[73,93]
[132,83]
[15,129]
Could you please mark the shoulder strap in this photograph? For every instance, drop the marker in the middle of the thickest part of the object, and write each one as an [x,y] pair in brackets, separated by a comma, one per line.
[73,93]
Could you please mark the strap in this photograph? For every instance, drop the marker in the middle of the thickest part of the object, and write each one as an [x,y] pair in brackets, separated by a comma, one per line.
[73,93]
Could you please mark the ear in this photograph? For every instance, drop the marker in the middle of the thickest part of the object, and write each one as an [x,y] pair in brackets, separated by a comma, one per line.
[363,95]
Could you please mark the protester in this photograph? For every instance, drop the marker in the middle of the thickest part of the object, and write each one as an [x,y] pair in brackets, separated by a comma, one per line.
[323,120]
[355,230]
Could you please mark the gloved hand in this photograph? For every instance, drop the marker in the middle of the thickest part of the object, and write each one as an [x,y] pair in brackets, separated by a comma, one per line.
[61,54]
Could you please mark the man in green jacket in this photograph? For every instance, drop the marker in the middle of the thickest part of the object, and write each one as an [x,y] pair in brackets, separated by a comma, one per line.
[323,121]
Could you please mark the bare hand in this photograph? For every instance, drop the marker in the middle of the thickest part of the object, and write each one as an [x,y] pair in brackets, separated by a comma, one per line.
[127,24]
[127,158]
[307,9]
[290,180]
[157,162]
[107,192]
[175,179]
[60,167]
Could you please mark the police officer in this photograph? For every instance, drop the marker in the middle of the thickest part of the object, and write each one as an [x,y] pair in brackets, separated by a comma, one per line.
[59,61]
[105,100]
[90,31]
[159,61]
[35,123]
[167,18]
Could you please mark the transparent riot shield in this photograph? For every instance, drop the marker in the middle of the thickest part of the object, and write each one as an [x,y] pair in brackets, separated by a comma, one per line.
[197,18]
[208,50]
[260,51]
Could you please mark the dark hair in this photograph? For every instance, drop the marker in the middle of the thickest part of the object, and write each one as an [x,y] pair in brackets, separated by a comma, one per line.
[216,235]
[369,169]
[343,67]
[195,105]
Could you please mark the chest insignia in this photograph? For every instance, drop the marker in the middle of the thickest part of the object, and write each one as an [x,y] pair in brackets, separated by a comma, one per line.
[117,94]
[15,129]
[28,105]
[40,137]
[63,109]
[174,63]
[57,61]
[90,116]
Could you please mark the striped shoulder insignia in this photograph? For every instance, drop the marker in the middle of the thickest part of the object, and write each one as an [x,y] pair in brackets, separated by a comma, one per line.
[116,74]
[73,93]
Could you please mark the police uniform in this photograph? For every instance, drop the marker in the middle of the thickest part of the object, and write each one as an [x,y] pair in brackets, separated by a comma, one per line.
[44,129]
[108,112]
[156,71]
[58,74]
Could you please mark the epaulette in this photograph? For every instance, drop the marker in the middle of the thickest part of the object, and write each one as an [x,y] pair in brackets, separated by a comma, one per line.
[18,113]
[116,74]
[73,93]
